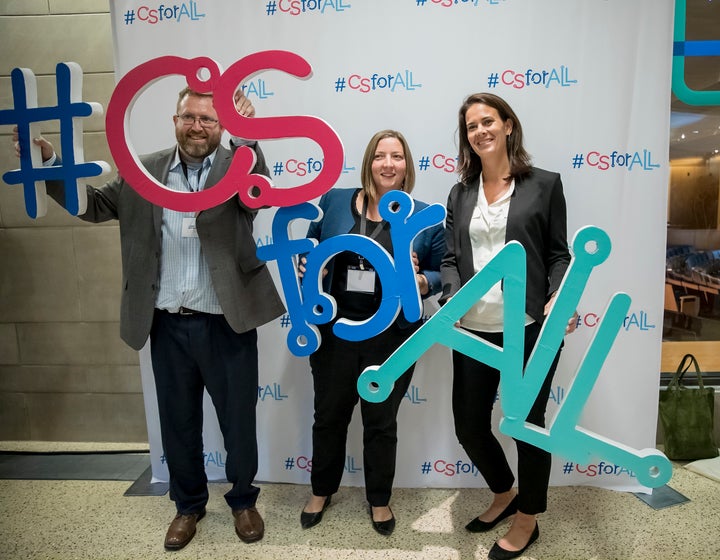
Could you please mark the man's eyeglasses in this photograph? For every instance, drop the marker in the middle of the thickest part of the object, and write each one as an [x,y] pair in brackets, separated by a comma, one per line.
[205,122]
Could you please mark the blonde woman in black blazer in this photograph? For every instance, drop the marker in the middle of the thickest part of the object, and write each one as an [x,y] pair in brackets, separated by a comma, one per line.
[501,198]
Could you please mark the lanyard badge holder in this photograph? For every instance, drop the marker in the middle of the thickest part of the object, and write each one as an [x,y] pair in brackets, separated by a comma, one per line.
[361,278]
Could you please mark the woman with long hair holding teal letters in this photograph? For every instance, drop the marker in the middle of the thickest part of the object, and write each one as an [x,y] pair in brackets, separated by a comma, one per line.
[336,365]
[501,197]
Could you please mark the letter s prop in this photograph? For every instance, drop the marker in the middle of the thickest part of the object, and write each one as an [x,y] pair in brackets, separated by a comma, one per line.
[254,190]
[262,128]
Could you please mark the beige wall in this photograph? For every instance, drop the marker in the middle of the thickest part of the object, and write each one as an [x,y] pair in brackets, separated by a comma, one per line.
[65,375]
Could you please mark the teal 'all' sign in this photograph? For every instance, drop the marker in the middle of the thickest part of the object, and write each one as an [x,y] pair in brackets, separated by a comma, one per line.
[519,386]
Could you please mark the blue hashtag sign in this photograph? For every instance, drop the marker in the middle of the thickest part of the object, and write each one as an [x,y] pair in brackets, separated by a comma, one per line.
[26,115]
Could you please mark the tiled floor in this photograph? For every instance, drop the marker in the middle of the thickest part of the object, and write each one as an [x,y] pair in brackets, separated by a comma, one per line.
[74,520]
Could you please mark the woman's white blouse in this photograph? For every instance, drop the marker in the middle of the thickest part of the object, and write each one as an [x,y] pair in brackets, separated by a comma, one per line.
[487,237]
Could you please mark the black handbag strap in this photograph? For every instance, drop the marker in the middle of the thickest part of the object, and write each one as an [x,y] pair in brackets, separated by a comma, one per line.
[687,361]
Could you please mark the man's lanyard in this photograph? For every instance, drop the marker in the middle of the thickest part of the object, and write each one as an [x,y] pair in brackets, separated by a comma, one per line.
[199,174]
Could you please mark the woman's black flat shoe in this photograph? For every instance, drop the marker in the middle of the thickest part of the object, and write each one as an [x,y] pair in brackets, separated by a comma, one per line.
[384,527]
[478,526]
[499,553]
[308,520]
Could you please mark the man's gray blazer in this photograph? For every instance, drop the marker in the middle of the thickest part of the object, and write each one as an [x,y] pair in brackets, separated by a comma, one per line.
[243,284]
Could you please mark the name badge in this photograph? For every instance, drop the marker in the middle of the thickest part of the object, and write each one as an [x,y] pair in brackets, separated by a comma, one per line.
[360,280]
[188,227]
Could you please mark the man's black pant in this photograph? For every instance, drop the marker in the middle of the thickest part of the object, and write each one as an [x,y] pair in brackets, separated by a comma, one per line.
[191,353]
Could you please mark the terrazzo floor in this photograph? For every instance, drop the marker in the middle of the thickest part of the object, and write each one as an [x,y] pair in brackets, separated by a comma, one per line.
[75,520]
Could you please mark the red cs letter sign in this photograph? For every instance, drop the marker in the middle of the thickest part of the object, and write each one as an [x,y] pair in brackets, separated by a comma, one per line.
[254,190]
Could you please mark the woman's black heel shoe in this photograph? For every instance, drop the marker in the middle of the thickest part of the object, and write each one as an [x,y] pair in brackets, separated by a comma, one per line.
[499,553]
[385,528]
[308,520]
[477,526]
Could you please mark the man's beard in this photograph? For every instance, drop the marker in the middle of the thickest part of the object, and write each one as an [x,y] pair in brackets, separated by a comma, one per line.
[194,149]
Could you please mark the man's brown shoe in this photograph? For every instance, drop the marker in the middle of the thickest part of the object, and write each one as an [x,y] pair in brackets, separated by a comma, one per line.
[249,525]
[182,530]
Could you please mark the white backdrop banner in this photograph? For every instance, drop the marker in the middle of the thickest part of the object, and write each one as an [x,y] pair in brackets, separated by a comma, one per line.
[590,82]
